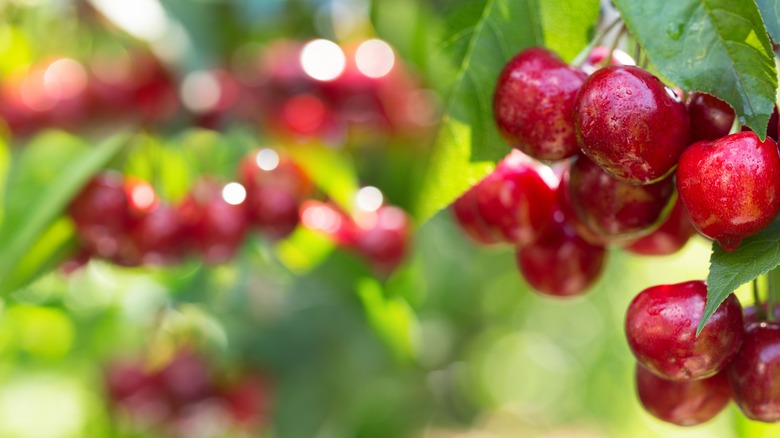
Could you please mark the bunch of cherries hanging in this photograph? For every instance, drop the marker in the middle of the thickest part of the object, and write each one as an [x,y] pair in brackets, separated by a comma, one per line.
[637,165]
[122,220]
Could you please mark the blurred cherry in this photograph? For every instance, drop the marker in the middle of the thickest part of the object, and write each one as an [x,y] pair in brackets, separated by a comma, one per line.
[669,238]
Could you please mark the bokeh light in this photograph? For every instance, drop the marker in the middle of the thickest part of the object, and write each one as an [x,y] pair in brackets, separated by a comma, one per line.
[323,60]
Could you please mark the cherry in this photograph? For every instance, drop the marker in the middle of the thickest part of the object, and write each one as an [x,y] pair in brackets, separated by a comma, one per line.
[682,403]
[275,187]
[186,378]
[466,214]
[661,327]
[753,372]
[563,198]
[157,238]
[330,220]
[772,125]
[101,213]
[533,104]
[669,238]
[730,187]
[213,226]
[382,238]
[710,117]
[516,199]
[561,263]
[613,208]
[248,400]
[630,124]
[750,313]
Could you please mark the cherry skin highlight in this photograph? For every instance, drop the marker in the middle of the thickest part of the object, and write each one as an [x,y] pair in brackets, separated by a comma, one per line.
[669,238]
[516,199]
[682,403]
[561,263]
[661,327]
[630,124]
[613,208]
[730,187]
[533,104]
[754,371]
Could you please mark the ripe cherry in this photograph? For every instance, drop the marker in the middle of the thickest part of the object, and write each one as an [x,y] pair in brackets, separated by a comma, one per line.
[630,124]
[214,227]
[600,53]
[730,187]
[186,378]
[533,104]
[561,263]
[382,237]
[682,403]
[101,212]
[669,238]
[563,198]
[753,372]
[711,118]
[465,211]
[661,327]
[157,238]
[613,208]
[516,199]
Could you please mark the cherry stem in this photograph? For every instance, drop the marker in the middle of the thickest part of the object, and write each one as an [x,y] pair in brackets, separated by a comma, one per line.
[579,60]
[757,301]
[771,301]
[607,60]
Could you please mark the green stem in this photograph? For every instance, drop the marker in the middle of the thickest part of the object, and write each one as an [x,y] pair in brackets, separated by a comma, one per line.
[772,294]
[757,301]
[583,55]
[608,60]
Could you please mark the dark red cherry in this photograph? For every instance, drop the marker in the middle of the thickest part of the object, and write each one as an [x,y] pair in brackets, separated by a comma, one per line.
[711,118]
[561,263]
[516,199]
[214,227]
[630,124]
[669,238]
[157,238]
[101,212]
[533,104]
[730,187]
[563,198]
[466,214]
[613,208]
[754,371]
[750,314]
[661,327]
[249,400]
[682,403]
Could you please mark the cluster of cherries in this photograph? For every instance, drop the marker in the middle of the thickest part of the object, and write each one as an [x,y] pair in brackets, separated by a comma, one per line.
[615,136]
[123,220]
[278,86]
[187,397]
[687,379]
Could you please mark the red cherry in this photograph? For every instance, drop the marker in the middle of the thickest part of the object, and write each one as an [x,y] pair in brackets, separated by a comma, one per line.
[661,327]
[249,400]
[563,198]
[383,238]
[630,124]
[750,314]
[754,371]
[330,220]
[613,208]
[186,379]
[533,104]
[214,227]
[682,403]
[730,187]
[772,125]
[561,263]
[102,214]
[465,211]
[157,238]
[711,118]
[669,238]
[600,53]
[516,200]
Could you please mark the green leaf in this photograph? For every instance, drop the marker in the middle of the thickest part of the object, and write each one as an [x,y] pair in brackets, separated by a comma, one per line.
[331,170]
[481,37]
[716,46]
[770,12]
[755,256]
[392,318]
[44,178]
